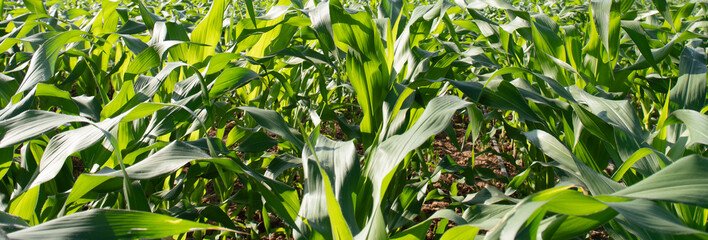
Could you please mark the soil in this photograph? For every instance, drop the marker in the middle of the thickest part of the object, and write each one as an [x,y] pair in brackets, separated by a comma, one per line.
[335,132]
[599,234]
[442,147]
[78,167]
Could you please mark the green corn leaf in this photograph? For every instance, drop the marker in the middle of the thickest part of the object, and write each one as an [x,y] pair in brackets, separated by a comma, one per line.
[257,142]
[338,162]
[106,21]
[281,28]
[87,183]
[35,6]
[322,24]
[572,203]
[658,55]
[10,223]
[366,64]
[25,205]
[559,199]
[549,45]
[639,37]
[44,60]
[66,143]
[694,121]
[144,88]
[220,61]
[594,124]
[146,60]
[515,219]
[89,107]
[16,130]
[690,90]
[273,122]
[251,12]
[60,146]
[639,154]
[607,20]
[57,97]
[690,188]
[555,85]
[552,148]
[232,78]
[167,160]
[420,230]
[207,32]
[15,108]
[618,113]
[391,152]
[573,226]
[664,10]
[651,216]
[433,120]
[498,94]
[597,183]
[111,224]
[148,17]
[461,232]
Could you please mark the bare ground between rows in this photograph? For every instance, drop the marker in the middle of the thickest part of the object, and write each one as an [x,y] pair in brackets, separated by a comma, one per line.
[442,147]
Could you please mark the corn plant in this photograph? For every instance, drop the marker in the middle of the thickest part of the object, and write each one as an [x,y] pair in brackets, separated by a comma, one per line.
[322,119]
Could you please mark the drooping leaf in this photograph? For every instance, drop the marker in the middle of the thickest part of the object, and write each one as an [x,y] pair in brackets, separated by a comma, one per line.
[30,124]
[111,224]
[35,6]
[167,160]
[694,121]
[44,60]
[690,188]
[618,113]
[651,216]
[597,183]
[273,122]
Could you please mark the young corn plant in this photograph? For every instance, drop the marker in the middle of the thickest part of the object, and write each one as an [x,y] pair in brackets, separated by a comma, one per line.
[322,119]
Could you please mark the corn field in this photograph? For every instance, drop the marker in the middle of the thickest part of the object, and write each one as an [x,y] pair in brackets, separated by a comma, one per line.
[381,119]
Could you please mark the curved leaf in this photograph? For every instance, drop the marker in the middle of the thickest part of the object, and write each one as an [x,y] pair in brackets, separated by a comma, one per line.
[44,59]
[690,188]
[110,224]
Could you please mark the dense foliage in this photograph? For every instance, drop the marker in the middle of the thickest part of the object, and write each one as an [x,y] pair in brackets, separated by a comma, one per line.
[323,120]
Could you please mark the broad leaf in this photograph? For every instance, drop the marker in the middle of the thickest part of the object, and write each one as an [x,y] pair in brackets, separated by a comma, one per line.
[691,188]
[111,224]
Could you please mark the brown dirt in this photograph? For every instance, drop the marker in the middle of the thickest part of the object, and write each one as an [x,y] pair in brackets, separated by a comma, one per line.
[599,234]
[78,167]
[335,133]
[274,149]
[434,226]
[276,236]
[227,128]
[210,197]
[442,147]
